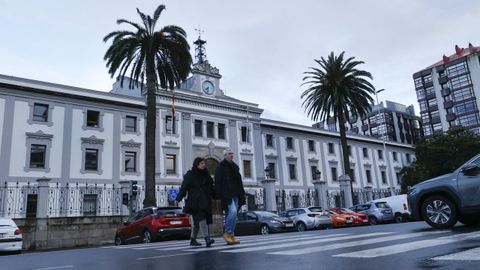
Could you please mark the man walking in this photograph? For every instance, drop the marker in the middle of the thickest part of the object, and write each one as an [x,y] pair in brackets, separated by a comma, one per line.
[229,189]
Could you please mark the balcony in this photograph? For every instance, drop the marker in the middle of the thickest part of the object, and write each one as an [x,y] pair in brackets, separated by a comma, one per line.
[448,104]
[443,79]
[451,117]
[430,95]
[428,84]
[435,120]
[446,92]
[364,127]
[433,108]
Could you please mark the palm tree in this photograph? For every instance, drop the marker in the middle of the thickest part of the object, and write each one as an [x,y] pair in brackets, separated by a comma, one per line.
[157,57]
[337,88]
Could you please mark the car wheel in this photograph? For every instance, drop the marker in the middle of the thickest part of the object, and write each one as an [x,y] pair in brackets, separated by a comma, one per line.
[373,220]
[147,237]
[439,212]
[264,230]
[118,240]
[301,227]
[399,218]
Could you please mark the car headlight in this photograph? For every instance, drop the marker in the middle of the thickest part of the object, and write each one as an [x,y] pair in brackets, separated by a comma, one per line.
[275,221]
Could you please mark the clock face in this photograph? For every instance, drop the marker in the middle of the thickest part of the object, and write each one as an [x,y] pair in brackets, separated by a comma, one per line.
[207,87]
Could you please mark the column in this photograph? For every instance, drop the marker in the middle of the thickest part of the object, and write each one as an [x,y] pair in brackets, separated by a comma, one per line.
[124,186]
[269,200]
[345,187]
[321,188]
[369,191]
[41,234]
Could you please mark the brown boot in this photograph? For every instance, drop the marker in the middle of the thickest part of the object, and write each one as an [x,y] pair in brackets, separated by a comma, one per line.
[235,240]
[228,239]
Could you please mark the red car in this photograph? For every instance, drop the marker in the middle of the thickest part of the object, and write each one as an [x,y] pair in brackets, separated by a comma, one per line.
[356,217]
[153,223]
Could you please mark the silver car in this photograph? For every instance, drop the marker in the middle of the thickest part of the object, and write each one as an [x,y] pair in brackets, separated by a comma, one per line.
[308,218]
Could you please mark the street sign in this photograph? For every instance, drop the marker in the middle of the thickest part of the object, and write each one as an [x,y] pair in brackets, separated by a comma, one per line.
[172,194]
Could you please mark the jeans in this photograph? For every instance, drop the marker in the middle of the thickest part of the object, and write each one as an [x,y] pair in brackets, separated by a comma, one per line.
[231,216]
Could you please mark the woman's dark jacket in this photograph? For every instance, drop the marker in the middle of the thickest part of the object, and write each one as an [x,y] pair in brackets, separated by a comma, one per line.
[199,186]
[228,183]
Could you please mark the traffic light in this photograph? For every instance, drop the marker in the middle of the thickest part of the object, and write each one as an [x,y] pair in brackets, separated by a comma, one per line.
[133,188]
[125,198]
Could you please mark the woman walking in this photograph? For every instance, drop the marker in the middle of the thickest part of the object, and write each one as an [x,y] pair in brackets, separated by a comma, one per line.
[198,187]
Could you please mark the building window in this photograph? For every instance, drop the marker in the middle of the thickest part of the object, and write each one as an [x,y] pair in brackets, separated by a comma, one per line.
[369,176]
[394,156]
[169,124]
[91,159]
[37,156]
[198,128]
[384,177]
[247,169]
[380,154]
[349,148]
[171,164]
[130,162]
[221,131]
[93,119]
[407,156]
[210,129]
[292,172]
[130,123]
[40,112]
[334,174]
[331,149]
[399,178]
[271,170]
[311,146]
[313,170]
[352,172]
[365,152]
[244,131]
[289,142]
[89,204]
[269,139]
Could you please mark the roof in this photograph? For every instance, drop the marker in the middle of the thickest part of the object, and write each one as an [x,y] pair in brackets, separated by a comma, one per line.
[459,53]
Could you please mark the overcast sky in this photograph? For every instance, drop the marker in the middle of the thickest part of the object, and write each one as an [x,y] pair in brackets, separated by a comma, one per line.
[261,47]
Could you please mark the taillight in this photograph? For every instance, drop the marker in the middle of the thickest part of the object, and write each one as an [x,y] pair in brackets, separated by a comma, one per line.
[17,232]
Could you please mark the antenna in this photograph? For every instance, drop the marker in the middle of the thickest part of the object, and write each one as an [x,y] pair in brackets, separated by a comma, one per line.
[200,53]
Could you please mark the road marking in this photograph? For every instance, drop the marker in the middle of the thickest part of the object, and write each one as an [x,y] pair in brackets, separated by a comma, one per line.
[353,244]
[164,256]
[467,255]
[305,242]
[256,243]
[54,267]
[399,248]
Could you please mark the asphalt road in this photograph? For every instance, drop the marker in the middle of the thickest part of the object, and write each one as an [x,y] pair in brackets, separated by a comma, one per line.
[392,246]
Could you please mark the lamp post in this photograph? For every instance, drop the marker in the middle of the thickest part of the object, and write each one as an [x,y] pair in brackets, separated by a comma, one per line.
[384,134]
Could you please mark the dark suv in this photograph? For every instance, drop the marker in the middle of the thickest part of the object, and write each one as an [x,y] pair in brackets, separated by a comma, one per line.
[153,223]
[446,199]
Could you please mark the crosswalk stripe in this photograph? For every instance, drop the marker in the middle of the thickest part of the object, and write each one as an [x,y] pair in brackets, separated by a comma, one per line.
[467,255]
[294,244]
[220,240]
[399,248]
[353,244]
[256,243]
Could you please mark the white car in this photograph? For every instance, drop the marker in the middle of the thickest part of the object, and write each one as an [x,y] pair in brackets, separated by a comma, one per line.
[10,236]
[399,205]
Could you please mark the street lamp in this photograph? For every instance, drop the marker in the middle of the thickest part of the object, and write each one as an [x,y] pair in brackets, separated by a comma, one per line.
[384,133]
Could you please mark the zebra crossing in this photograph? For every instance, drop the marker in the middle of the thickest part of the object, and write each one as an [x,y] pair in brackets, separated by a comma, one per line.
[366,245]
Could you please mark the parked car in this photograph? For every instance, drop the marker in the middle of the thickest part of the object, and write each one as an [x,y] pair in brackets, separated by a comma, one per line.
[356,217]
[10,236]
[308,218]
[378,212]
[261,222]
[399,205]
[446,199]
[153,223]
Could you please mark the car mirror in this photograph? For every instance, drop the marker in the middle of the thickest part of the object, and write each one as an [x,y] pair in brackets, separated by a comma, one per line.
[469,169]
[126,223]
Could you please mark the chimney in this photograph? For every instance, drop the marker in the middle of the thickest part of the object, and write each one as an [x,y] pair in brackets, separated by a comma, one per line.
[458,50]
[471,48]
[446,59]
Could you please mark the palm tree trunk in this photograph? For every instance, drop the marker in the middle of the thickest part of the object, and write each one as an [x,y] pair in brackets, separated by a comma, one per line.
[345,154]
[150,137]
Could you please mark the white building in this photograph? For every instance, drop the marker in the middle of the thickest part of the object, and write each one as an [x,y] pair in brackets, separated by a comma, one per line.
[88,141]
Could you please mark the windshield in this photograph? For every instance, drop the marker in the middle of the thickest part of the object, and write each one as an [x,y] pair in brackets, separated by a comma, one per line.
[266,214]
[315,209]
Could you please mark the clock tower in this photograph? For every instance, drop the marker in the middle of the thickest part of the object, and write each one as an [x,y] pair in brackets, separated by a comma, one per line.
[206,78]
